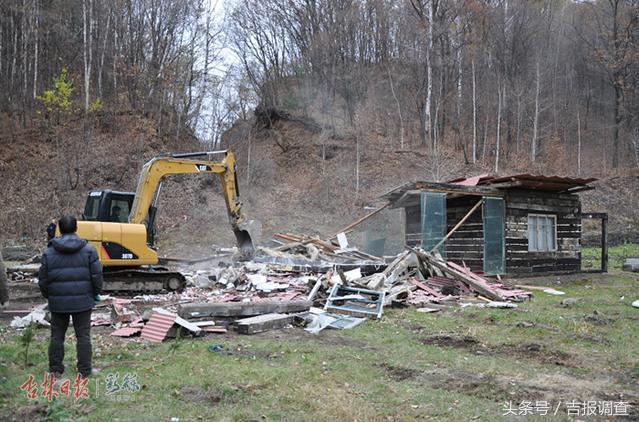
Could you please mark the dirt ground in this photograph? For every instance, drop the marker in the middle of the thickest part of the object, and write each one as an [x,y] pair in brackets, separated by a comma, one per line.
[463,363]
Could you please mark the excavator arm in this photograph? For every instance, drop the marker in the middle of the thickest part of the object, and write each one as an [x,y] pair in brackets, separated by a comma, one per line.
[154,171]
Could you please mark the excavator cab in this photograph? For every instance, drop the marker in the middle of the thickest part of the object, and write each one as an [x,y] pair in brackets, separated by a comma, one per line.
[114,207]
[108,206]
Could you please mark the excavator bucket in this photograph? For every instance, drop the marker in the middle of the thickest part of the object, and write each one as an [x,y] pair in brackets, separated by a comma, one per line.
[247,234]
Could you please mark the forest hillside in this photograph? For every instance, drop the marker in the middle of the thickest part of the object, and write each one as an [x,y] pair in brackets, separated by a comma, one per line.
[327,103]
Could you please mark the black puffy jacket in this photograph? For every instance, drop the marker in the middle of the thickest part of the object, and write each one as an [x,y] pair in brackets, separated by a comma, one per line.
[70,274]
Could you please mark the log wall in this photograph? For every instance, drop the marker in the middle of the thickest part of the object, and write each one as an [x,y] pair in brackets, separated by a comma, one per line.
[567,208]
[467,244]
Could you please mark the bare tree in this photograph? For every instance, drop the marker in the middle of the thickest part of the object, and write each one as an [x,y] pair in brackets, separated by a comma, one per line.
[611,35]
[425,9]
[87,51]
[535,134]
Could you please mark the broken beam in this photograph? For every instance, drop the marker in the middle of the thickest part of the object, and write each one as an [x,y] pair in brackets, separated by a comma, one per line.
[237,309]
[261,323]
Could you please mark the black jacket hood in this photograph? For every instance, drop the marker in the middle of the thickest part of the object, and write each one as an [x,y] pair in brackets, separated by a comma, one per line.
[68,243]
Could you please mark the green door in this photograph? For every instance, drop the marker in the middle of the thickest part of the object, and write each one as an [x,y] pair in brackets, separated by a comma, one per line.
[433,209]
[494,249]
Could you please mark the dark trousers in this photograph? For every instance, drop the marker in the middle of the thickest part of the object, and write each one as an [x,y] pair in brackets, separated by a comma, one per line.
[82,327]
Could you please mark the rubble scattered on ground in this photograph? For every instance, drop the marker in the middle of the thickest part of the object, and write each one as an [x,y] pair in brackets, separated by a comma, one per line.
[304,281]
[36,316]
[631,264]
[569,302]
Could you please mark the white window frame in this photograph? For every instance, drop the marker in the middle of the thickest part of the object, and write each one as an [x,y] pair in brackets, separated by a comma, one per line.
[553,218]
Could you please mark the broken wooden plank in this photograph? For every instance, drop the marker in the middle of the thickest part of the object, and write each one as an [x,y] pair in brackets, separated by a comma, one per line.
[424,287]
[316,288]
[398,293]
[262,323]
[232,309]
[479,287]
[25,268]
[395,268]
[215,329]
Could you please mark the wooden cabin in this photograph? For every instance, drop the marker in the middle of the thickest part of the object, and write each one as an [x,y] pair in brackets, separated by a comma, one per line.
[515,225]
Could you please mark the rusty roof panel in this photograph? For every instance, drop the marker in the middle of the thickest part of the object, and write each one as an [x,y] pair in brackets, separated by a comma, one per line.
[158,326]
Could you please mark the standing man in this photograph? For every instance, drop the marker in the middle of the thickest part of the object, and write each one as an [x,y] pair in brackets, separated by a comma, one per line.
[4,288]
[70,278]
[50,231]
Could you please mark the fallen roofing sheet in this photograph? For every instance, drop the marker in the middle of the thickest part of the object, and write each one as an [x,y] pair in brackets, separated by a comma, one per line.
[158,327]
[126,332]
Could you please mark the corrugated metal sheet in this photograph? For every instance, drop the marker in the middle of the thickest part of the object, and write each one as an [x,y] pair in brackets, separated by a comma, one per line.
[158,326]
[126,332]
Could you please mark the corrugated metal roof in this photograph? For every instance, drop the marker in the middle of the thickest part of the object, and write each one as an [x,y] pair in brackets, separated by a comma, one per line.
[158,326]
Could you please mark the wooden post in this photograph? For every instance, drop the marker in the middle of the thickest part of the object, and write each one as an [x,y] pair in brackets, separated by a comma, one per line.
[604,244]
[458,225]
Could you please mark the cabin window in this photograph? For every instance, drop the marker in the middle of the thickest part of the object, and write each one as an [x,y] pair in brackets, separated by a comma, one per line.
[92,208]
[542,233]
[119,212]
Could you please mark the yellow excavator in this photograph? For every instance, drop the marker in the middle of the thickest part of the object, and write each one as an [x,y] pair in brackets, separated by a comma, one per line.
[121,224]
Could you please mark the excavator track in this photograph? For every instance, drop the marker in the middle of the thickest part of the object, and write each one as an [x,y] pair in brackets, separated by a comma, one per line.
[141,281]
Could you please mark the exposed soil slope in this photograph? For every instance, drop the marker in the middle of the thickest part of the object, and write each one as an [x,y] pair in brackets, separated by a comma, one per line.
[300,177]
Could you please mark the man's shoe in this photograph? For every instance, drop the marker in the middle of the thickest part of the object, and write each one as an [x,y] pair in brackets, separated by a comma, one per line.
[94,372]
[58,380]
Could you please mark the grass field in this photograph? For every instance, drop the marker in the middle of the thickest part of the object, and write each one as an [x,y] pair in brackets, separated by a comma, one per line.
[459,364]
[617,255]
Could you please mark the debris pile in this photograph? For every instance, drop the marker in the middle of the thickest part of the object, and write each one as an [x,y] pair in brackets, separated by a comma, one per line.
[316,249]
[304,281]
[451,274]
[36,316]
